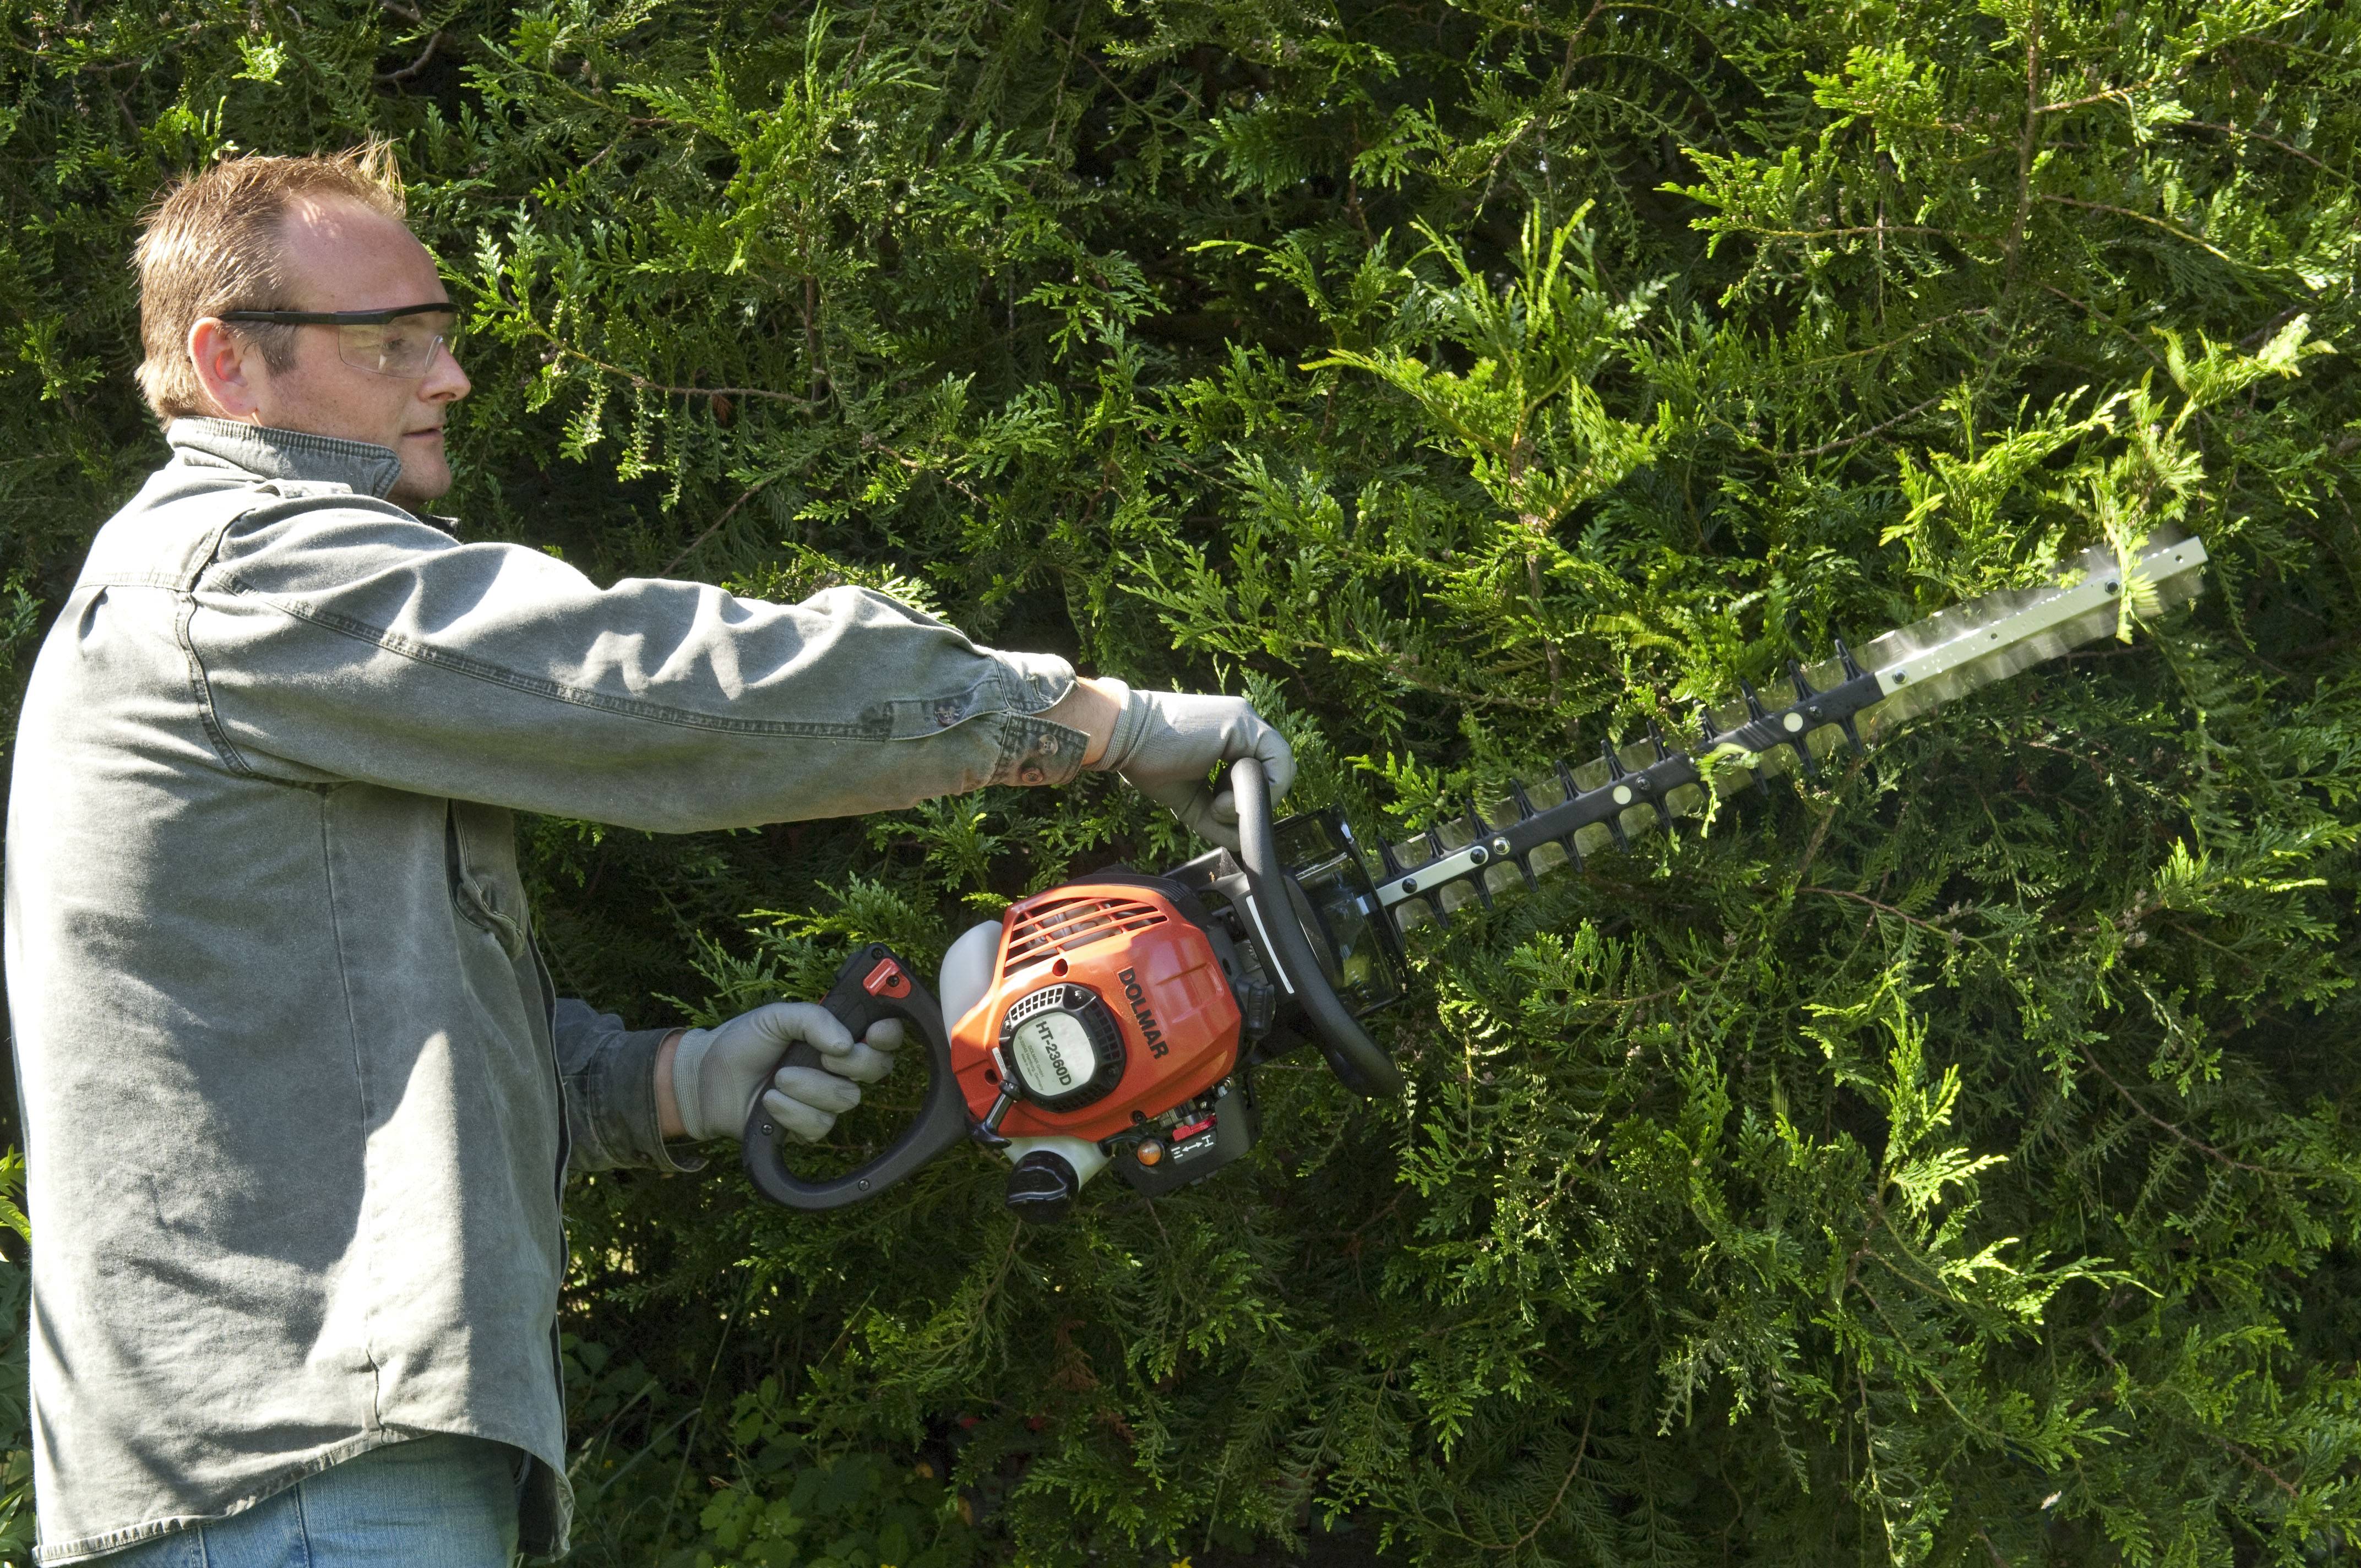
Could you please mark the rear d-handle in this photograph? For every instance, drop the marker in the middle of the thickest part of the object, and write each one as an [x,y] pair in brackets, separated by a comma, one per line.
[1359,1060]
[872,985]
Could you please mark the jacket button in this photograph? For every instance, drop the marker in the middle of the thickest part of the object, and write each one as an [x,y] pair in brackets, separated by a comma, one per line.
[1032,775]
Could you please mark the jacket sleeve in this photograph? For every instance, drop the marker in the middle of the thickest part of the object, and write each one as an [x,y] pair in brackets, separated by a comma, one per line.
[610,1094]
[346,640]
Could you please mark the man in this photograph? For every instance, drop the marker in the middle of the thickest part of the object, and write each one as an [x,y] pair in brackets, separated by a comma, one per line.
[298,1099]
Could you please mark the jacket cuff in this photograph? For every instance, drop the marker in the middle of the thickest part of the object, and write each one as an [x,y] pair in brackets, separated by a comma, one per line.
[679,1154]
[1033,750]
[632,1103]
[1040,680]
[1036,751]
[610,1092]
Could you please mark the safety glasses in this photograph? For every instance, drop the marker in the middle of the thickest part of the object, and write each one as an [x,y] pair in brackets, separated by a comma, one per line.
[399,342]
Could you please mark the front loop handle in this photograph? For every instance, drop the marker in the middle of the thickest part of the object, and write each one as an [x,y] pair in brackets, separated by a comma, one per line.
[874,985]
[1359,1060]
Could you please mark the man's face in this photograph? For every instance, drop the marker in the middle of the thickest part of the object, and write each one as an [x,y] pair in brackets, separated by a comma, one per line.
[342,256]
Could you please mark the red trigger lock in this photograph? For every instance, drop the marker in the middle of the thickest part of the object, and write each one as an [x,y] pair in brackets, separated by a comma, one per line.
[887,979]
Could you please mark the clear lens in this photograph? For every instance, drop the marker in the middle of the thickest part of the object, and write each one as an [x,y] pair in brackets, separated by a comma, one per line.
[403,347]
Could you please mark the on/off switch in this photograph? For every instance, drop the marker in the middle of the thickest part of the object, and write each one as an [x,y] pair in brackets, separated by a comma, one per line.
[1187,1130]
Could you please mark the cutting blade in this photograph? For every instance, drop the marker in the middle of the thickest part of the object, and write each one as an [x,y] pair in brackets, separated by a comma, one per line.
[1858,696]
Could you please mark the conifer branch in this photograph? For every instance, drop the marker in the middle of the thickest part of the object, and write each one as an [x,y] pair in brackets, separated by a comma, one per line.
[1949,936]
[1847,442]
[2198,1144]
[2287,148]
[640,383]
[407,72]
[2026,139]
[1828,818]
[1541,1521]
[757,487]
[2239,1453]
[2174,230]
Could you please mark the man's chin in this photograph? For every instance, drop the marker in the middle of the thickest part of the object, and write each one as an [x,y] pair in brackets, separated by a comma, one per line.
[420,482]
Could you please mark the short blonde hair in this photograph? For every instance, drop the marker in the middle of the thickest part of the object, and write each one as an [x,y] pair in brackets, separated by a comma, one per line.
[212,243]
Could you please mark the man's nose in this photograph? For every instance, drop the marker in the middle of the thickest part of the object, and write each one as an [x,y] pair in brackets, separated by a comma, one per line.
[446,382]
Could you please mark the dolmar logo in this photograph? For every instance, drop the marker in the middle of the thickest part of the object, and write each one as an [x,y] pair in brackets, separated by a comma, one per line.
[1140,1013]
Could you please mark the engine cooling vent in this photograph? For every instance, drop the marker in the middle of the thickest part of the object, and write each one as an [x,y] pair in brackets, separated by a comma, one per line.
[1068,923]
[1040,1000]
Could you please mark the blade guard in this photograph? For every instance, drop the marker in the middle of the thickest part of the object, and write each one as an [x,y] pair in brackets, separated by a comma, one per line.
[874,985]
[1359,1061]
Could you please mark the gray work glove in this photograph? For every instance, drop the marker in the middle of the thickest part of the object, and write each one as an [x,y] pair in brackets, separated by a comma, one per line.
[1166,742]
[715,1073]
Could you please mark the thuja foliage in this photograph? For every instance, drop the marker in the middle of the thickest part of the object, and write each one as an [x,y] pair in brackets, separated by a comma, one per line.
[1957,1161]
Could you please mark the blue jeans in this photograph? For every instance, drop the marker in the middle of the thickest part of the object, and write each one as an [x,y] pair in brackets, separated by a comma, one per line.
[446,1501]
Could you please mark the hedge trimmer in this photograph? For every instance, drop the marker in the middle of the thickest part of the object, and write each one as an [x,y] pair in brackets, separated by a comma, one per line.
[1113,1021]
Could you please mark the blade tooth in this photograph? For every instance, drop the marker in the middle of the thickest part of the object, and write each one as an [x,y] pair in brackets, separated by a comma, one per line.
[1393,867]
[1853,670]
[1755,709]
[1615,770]
[1523,802]
[1802,743]
[1430,892]
[1481,827]
[1664,812]
[1565,782]
[1707,737]
[1478,830]
[1566,778]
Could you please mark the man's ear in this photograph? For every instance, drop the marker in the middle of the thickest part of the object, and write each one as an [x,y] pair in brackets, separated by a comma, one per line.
[229,369]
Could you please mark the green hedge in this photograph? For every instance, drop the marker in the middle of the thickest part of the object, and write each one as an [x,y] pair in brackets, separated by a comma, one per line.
[1957,1162]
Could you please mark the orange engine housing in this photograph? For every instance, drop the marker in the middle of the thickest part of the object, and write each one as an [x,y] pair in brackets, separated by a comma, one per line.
[1179,1030]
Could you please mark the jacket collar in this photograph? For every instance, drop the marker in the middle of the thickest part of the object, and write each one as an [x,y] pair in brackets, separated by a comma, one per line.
[363,466]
